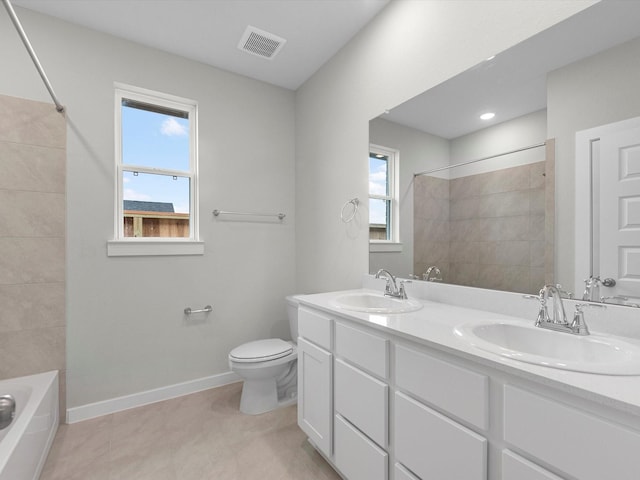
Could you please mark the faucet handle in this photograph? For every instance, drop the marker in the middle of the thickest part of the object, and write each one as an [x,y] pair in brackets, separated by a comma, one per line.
[543,313]
[402,293]
[578,325]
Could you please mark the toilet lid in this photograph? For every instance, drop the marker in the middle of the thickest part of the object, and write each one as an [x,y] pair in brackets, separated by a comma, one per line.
[261,350]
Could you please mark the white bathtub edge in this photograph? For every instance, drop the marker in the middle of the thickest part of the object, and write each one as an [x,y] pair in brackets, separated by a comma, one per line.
[52,436]
[118,404]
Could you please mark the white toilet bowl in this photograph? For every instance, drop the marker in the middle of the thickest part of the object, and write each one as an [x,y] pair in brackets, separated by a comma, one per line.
[269,369]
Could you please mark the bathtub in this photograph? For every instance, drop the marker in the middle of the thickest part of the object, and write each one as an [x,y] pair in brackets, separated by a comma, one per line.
[25,443]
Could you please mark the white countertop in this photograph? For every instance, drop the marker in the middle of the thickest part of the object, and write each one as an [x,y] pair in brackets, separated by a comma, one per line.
[434,324]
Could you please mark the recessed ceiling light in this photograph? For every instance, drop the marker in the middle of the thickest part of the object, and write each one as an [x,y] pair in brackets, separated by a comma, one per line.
[490,58]
[487,116]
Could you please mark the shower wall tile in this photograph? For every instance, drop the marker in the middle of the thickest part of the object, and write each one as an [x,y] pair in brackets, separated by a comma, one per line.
[537,254]
[31,214]
[498,227]
[431,187]
[25,352]
[31,123]
[432,230]
[32,168]
[465,252]
[434,253]
[31,260]
[433,209]
[464,208]
[515,253]
[537,201]
[537,279]
[537,175]
[31,306]
[503,204]
[32,240]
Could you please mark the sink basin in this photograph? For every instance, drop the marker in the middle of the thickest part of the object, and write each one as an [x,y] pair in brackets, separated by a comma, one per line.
[590,354]
[375,303]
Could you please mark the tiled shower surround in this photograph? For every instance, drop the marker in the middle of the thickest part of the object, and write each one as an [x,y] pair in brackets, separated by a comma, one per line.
[32,239]
[489,230]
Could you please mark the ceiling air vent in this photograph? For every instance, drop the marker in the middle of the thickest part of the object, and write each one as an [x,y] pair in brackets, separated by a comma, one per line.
[260,43]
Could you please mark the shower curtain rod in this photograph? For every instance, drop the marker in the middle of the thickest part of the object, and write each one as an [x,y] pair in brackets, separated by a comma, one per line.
[427,172]
[32,53]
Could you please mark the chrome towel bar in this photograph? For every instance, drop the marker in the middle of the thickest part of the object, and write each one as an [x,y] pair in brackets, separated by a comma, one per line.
[207,309]
[222,212]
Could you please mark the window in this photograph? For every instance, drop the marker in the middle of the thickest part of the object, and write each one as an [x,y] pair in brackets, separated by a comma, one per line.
[383,197]
[156,168]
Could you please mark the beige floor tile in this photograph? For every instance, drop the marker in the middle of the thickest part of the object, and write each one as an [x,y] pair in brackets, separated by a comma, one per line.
[196,437]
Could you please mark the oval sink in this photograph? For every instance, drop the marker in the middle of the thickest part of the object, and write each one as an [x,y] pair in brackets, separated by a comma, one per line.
[589,354]
[375,303]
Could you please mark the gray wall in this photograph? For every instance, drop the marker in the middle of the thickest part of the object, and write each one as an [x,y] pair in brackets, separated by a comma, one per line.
[417,45]
[126,331]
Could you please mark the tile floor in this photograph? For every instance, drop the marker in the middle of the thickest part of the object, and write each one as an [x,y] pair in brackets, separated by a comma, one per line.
[201,436]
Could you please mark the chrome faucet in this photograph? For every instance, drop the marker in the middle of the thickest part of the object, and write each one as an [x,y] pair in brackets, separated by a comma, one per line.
[558,321]
[392,289]
[559,316]
[437,275]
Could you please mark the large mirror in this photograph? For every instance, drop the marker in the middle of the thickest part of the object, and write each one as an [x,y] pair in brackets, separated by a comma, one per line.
[492,203]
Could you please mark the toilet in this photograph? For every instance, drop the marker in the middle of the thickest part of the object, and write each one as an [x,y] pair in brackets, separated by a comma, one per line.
[269,369]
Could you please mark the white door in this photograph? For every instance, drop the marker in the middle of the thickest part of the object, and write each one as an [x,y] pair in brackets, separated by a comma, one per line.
[619,251]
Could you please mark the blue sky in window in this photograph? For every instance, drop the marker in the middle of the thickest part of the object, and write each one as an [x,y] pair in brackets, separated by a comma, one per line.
[377,186]
[152,139]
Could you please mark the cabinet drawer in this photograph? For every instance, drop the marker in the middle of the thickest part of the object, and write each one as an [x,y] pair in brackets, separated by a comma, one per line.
[356,456]
[365,349]
[515,467]
[580,444]
[401,473]
[458,391]
[362,400]
[315,327]
[434,446]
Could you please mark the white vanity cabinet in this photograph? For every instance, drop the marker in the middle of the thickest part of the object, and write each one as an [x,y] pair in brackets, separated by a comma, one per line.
[315,379]
[382,406]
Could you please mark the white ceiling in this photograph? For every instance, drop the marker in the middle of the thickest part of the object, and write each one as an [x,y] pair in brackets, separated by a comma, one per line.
[208,31]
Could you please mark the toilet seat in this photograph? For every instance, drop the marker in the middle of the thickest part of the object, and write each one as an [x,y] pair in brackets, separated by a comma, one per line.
[261,351]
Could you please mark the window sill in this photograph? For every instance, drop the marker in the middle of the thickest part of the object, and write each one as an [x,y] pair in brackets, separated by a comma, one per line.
[140,248]
[385,247]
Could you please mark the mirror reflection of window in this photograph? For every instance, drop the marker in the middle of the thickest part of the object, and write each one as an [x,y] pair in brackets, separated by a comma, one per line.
[383,215]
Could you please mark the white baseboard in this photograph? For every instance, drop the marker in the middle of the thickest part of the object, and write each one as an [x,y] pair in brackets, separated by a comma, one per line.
[118,404]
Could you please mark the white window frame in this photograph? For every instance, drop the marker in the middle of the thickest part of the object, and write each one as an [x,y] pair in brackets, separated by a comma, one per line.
[136,246]
[392,244]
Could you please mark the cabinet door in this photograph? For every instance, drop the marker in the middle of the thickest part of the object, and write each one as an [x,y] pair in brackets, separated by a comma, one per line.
[435,447]
[315,416]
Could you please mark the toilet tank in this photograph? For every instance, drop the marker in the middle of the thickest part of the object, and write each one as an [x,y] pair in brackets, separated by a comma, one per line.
[292,313]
